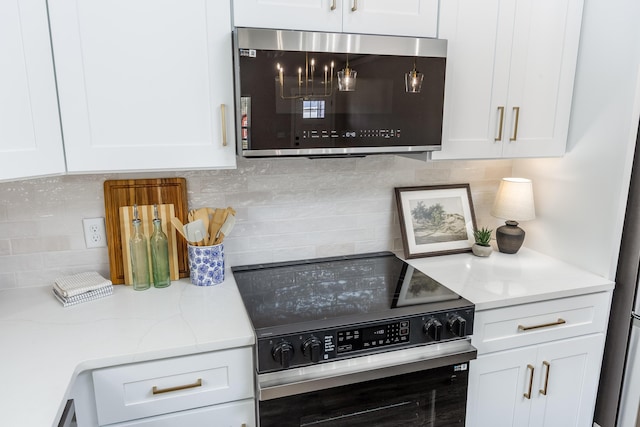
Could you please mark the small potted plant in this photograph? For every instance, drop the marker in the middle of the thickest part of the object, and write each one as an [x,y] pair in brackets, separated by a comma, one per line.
[482,237]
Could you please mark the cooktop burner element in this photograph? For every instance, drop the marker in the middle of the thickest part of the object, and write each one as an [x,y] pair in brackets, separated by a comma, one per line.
[317,310]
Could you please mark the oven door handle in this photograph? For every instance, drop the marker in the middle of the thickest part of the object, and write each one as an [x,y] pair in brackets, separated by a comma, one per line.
[352,371]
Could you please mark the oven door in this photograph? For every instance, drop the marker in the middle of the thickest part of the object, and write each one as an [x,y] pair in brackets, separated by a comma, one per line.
[420,386]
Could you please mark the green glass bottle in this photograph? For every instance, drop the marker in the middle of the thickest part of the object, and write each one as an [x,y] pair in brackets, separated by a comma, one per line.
[139,255]
[159,253]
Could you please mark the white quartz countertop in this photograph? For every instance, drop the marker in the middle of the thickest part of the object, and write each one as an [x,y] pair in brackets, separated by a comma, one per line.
[44,346]
[502,280]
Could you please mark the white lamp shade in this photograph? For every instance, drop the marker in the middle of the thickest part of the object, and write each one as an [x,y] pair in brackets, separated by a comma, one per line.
[514,200]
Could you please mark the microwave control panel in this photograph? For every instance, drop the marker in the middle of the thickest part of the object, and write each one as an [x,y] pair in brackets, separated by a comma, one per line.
[352,133]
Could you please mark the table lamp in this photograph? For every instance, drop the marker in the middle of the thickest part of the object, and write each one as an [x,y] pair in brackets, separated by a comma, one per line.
[514,202]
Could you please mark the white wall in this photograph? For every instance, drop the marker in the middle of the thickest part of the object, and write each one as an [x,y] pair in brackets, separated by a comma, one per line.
[287,209]
[580,198]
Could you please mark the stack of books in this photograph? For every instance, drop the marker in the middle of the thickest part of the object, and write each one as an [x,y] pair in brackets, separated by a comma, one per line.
[82,287]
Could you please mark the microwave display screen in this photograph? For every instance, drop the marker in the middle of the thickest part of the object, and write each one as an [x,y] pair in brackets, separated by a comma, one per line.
[295,100]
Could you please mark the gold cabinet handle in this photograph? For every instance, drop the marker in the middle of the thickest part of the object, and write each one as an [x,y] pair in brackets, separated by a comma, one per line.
[528,394]
[355,6]
[501,110]
[542,325]
[156,390]
[223,118]
[543,391]
[515,128]
[333,5]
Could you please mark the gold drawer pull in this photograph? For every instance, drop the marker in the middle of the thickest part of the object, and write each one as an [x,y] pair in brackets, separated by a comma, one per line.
[501,125]
[355,6]
[528,394]
[223,120]
[333,7]
[515,129]
[543,391]
[543,325]
[157,390]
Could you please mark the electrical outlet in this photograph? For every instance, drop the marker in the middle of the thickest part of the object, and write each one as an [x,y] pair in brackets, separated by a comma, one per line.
[95,235]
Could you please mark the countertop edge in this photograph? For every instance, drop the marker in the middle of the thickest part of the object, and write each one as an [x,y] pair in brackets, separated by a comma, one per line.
[568,293]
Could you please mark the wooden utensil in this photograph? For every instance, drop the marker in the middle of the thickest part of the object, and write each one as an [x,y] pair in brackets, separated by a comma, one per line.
[226,228]
[219,215]
[202,215]
[177,224]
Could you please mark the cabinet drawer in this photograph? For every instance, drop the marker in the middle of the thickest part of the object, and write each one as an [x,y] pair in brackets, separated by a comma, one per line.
[234,414]
[527,324]
[157,387]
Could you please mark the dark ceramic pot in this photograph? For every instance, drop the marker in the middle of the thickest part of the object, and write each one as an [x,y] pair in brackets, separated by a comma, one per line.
[509,237]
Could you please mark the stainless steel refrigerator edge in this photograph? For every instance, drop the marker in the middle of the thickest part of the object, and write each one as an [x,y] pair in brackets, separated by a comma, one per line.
[619,391]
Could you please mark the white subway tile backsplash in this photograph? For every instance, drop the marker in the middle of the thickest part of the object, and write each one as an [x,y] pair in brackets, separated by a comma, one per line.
[335,249]
[18,229]
[286,209]
[8,280]
[17,263]
[5,247]
[93,256]
[41,244]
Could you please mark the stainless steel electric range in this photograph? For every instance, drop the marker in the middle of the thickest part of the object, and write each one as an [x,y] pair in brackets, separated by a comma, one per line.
[355,339]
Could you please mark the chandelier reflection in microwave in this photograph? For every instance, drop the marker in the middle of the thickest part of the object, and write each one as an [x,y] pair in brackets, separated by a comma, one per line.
[413,80]
[306,81]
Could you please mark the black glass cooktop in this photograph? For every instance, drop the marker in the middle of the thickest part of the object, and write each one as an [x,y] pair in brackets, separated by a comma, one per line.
[372,285]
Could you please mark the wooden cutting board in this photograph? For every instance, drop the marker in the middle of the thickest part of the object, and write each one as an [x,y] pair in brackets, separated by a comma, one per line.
[145,213]
[118,193]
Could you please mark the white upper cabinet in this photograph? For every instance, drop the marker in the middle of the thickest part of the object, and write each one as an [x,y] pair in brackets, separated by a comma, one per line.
[30,138]
[144,85]
[510,72]
[406,18]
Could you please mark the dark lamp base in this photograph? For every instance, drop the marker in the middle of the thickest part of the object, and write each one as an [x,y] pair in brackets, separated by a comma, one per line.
[509,237]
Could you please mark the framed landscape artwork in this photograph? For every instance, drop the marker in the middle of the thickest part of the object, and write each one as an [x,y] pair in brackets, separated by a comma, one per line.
[435,220]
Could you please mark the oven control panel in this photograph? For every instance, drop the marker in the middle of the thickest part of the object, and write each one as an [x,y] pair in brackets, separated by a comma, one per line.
[372,336]
[310,347]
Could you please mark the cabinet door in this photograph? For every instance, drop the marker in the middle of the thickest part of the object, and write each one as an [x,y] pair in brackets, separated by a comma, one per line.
[30,138]
[510,72]
[310,15]
[144,85]
[479,36]
[571,374]
[497,384]
[406,18]
[544,54]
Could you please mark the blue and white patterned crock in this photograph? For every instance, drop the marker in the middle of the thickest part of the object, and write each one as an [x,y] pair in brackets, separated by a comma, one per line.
[206,264]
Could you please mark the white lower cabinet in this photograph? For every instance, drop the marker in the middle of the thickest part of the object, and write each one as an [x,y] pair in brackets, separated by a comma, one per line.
[546,385]
[235,414]
[538,364]
[206,389]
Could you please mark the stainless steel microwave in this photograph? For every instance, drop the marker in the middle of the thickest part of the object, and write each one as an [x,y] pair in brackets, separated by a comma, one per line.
[331,95]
